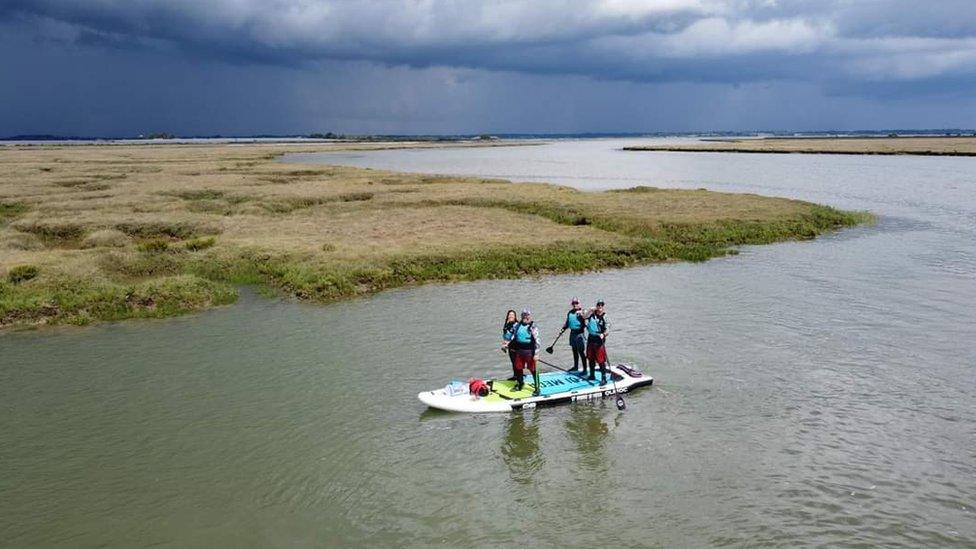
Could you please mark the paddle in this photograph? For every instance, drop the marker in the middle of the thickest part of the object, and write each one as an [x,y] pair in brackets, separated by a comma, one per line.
[549,348]
[621,405]
[551,365]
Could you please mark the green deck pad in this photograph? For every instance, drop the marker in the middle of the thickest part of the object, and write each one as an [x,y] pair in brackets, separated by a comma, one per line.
[506,389]
[552,383]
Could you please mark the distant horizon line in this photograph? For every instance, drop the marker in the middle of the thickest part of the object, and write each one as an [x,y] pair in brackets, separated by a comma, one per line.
[317,136]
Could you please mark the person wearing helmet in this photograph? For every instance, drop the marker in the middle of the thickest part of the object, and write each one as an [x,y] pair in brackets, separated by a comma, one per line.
[525,342]
[597,330]
[576,324]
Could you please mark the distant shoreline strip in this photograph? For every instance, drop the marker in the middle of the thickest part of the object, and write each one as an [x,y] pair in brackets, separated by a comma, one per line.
[783,151]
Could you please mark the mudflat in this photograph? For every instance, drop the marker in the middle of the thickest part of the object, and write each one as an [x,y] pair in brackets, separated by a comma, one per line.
[106,232]
[928,145]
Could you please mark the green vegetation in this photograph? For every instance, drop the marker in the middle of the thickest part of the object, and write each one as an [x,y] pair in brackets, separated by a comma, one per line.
[148,247]
[127,266]
[80,301]
[22,273]
[198,244]
[154,246]
[22,241]
[307,278]
[10,211]
[106,238]
[83,185]
[54,234]
[163,229]
[219,202]
[292,203]
[201,194]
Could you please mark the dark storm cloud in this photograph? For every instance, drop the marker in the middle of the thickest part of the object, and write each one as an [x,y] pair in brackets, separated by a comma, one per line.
[121,67]
[666,40]
[908,18]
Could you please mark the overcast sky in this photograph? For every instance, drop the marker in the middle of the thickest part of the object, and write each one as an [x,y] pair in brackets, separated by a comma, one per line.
[191,67]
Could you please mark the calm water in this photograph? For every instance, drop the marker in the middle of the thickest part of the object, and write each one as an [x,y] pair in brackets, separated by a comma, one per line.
[816,393]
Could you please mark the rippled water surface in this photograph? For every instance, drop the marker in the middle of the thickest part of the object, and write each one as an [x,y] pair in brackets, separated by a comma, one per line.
[814,393]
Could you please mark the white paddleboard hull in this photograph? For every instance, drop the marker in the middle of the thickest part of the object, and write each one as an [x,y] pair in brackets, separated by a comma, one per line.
[466,403]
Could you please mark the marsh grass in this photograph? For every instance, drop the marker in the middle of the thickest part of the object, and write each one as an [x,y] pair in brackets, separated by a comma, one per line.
[55,234]
[291,203]
[127,266]
[308,173]
[71,183]
[219,207]
[196,194]
[83,185]
[149,249]
[106,238]
[21,241]
[198,244]
[222,203]
[11,210]
[154,246]
[211,201]
[80,301]
[22,273]
[637,189]
[164,229]
[293,176]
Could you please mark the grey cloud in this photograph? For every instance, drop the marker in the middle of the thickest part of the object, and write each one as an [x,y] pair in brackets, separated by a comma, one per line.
[667,40]
[907,18]
[121,67]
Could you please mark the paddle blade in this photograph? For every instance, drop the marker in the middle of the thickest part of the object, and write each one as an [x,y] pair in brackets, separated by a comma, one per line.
[549,350]
[621,405]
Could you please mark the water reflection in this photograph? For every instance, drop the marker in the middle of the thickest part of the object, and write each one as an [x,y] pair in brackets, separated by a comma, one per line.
[521,449]
[587,429]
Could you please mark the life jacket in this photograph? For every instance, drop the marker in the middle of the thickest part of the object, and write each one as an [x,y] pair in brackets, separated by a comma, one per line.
[596,325]
[522,336]
[478,387]
[507,330]
[574,320]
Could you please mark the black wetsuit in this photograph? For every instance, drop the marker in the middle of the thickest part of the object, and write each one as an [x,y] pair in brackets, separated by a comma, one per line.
[507,334]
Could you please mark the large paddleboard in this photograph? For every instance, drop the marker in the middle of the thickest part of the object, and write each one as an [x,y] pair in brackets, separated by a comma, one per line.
[556,388]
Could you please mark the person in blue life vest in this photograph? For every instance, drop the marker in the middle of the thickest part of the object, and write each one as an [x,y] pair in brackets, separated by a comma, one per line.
[597,330]
[511,319]
[525,343]
[576,324]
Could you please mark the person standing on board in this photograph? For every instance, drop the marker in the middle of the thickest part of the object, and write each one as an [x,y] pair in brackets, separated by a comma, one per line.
[576,324]
[525,342]
[511,319]
[597,330]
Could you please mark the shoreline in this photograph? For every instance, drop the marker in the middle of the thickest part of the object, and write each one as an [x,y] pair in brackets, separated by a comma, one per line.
[94,233]
[884,146]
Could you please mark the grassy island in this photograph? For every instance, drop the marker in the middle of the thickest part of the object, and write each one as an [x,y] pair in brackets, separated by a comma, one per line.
[105,232]
[912,145]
